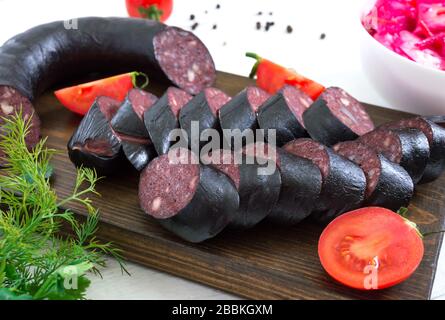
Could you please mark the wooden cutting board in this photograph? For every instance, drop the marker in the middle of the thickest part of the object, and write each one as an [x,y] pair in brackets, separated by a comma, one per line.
[266,262]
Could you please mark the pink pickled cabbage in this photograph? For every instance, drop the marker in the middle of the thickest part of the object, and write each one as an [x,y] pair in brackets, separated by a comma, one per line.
[414,29]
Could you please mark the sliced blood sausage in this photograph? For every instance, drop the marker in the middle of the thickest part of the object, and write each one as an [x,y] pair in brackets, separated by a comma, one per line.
[344,183]
[336,116]
[129,118]
[13,103]
[94,144]
[162,118]
[436,139]
[258,190]
[407,147]
[129,127]
[193,201]
[301,183]
[185,59]
[224,161]
[138,151]
[282,113]
[139,154]
[258,194]
[388,184]
[45,55]
[202,112]
[240,114]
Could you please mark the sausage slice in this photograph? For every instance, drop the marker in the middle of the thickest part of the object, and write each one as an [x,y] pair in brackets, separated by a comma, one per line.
[193,201]
[336,116]
[344,183]
[388,184]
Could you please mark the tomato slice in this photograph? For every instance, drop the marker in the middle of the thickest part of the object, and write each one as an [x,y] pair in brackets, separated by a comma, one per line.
[79,98]
[370,248]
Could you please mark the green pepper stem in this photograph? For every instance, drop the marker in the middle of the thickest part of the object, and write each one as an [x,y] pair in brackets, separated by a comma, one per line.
[256,65]
[134,79]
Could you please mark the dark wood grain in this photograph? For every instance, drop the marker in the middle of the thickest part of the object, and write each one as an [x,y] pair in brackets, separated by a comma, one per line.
[267,262]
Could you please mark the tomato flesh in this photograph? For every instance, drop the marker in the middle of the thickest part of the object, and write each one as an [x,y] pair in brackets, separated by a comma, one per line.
[79,98]
[367,242]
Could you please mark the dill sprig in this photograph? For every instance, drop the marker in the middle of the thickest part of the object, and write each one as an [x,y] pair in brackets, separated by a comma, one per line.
[35,261]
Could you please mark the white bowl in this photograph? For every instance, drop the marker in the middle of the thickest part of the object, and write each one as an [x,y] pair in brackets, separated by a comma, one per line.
[407,85]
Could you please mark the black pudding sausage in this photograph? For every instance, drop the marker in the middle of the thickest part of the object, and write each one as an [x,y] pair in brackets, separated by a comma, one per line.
[139,154]
[335,117]
[43,56]
[436,138]
[240,114]
[193,201]
[201,113]
[388,184]
[344,182]
[301,183]
[258,191]
[129,118]
[94,144]
[162,118]
[406,147]
[283,113]
[128,125]
[12,103]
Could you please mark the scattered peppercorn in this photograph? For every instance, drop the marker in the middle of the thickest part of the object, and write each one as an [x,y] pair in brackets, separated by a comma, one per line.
[214,27]
[322,36]
[270,13]
[206,12]
[192,17]
[268,25]
[195,25]
[289,29]
[258,25]
[224,44]
[259,13]
[218,6]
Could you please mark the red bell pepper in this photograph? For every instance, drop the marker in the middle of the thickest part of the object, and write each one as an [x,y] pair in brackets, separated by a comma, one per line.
[271,77]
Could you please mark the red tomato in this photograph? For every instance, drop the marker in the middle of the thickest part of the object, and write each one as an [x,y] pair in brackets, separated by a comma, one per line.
[158,10]
[271,77]
[80,98]
[367,242]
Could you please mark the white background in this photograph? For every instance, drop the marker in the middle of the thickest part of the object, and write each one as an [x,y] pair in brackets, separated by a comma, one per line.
[333,61]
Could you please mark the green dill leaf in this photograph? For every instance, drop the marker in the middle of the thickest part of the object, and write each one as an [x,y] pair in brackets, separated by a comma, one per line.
[35,261]
[76,292]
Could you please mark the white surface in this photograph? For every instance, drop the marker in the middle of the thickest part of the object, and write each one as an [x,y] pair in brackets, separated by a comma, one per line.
[333,61]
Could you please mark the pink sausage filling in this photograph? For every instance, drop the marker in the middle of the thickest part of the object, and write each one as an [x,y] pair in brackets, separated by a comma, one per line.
[256,97]
[216,99]
[141,101]
[166,187]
